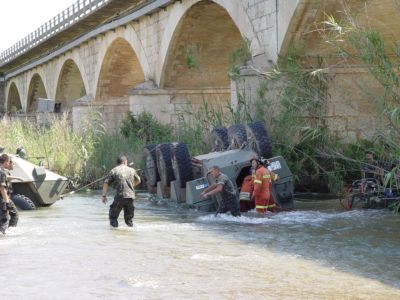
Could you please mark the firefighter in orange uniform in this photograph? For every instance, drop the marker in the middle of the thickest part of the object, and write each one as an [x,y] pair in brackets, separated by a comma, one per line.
[246,193]
[263,187]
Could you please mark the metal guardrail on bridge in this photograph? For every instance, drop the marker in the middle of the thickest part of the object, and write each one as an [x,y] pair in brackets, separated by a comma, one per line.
[63,20]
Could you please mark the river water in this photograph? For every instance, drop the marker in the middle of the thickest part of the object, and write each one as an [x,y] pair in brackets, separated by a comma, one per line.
[68,251]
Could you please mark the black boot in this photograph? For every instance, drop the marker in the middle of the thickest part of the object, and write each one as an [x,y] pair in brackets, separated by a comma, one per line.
[114,223]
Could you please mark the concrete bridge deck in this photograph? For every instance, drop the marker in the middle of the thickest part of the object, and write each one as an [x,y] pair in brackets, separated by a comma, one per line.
[67,26]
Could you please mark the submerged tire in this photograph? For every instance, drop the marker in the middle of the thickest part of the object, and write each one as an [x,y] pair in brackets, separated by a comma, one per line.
[150,168]
[237,136]
[164,163]
[219,139]
[23,202]
[182,165]
[257,137]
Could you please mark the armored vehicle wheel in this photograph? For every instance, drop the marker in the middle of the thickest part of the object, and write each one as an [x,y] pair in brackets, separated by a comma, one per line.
[219,139]
[257,137]
[182,165]
[237,136]
[164,163]
[23,202]
[150,168]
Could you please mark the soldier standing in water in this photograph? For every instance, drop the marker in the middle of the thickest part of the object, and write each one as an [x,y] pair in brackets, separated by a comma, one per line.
[123,179]
[8,211]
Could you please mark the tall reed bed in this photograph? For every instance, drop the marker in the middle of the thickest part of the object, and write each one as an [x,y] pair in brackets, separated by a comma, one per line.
[80,156]
[56,146]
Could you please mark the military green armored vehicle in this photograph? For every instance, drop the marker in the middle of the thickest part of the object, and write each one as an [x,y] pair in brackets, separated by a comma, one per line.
[171,172]
[39,187]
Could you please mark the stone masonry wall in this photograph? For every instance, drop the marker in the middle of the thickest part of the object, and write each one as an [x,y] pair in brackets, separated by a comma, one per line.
[262,14]
[2,95]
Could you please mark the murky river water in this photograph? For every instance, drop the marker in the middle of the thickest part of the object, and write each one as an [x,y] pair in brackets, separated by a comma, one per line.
[68,251]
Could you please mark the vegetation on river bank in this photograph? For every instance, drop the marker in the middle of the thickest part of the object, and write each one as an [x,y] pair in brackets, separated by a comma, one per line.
[81,156]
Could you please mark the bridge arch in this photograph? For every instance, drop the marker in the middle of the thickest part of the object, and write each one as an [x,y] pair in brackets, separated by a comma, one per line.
[120,69]
[233,18]
[36,90]
[70,85]
[13,103]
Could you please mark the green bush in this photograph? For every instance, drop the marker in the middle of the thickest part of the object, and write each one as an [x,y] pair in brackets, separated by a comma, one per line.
[145,128]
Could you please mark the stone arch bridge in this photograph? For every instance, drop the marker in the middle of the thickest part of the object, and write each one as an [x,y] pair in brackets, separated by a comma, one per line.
[117,56]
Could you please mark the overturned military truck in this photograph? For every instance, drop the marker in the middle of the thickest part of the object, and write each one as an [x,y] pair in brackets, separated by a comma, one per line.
[171,172]
[39,187]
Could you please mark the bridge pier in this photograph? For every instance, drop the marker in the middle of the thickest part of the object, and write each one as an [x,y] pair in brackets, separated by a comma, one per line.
[247,84]
[110,114]
[245,87]
[170,105]
[2,96]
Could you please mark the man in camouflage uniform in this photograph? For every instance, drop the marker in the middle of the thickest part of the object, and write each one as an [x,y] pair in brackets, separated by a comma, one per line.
[223,185]
[12,210]
[8,211]
[123,179]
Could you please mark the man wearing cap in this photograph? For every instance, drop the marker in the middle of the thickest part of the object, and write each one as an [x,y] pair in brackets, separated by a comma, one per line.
[262,181]
[123,179]
[223,185]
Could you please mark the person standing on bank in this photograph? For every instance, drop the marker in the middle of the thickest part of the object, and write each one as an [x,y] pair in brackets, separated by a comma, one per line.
[223,185]
[124,180]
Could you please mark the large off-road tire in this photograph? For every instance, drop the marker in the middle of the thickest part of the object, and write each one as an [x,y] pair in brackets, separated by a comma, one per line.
[237,136]
[23,202]
[150,167]
[219,139]
[164,163]
[182,165]
[257,137]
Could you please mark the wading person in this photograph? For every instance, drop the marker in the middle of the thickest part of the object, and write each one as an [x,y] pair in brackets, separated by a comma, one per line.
[123,179]
[8,211]
[246,192]
[262,182]
[12,210]
[223,185]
